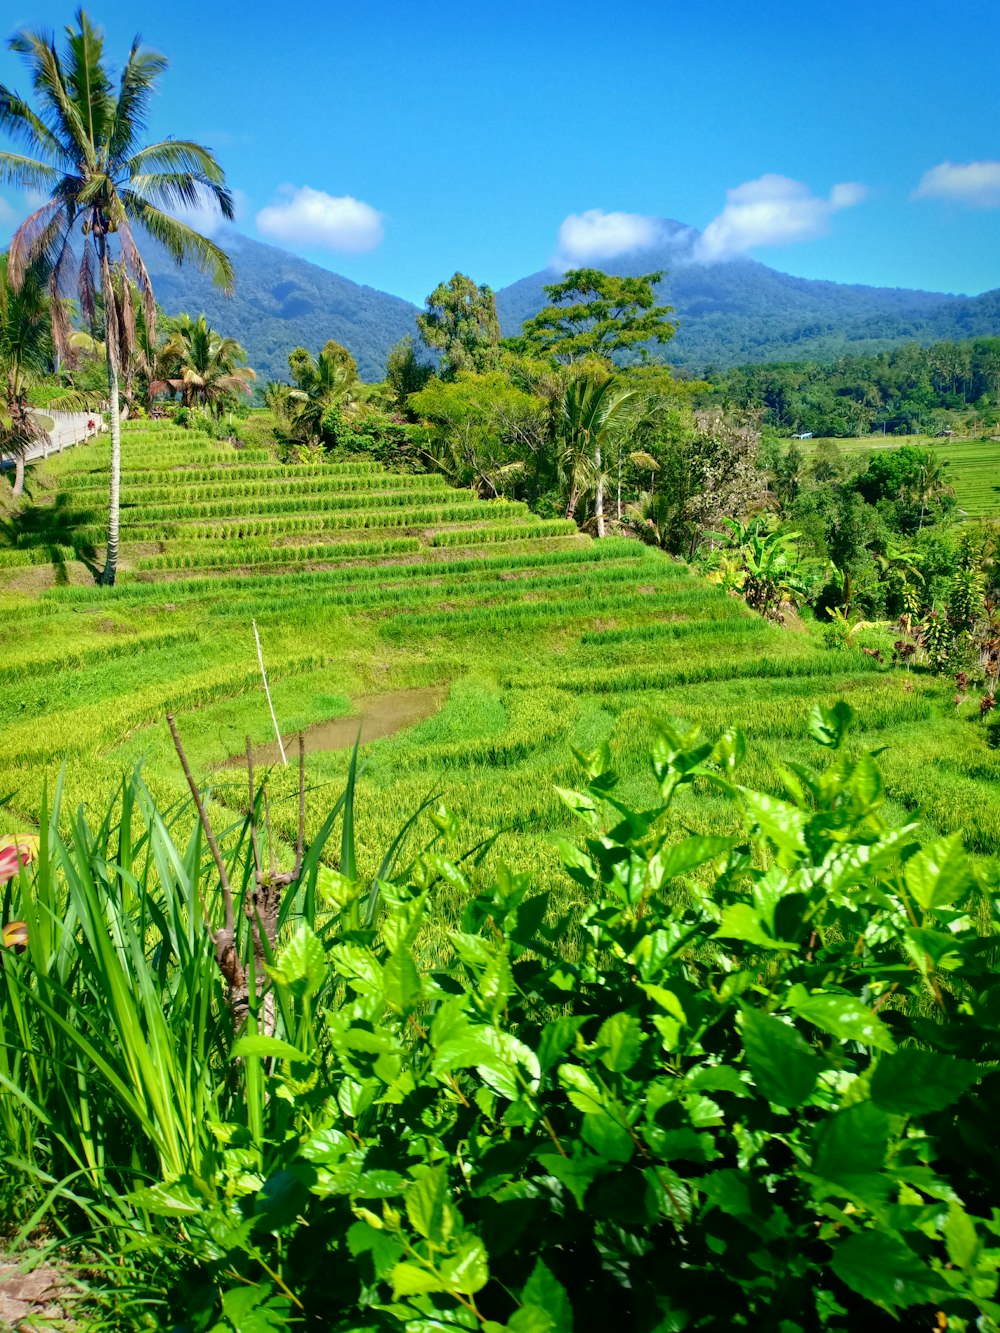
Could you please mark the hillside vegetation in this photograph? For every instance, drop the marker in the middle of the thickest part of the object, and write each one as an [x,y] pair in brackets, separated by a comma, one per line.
[365,582]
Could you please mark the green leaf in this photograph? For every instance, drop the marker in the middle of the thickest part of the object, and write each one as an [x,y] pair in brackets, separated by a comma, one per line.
[557,1037]
[743,922]
[781,823]
[401,982]
[301,964]
[622,1037]
[427,1204]
[960,1236]
[881,1268]
[850,1152]
[829,726]
[685,855]
[843,1016]
[468,1270]
[939,873]
[866,785]
[783,1064]
[546,1293]
[410,1280]
[913,1082]
[583,1092]
[609,1138]
[266,1048]
[581,805]
[177,1198]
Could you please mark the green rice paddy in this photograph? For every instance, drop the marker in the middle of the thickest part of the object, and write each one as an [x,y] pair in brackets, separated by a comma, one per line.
[365,582]
[973,466]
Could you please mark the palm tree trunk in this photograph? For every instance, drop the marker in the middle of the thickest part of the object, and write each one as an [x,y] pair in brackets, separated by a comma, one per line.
[110,569]
[599,497]
[18,474]
[107,575]
[571,503]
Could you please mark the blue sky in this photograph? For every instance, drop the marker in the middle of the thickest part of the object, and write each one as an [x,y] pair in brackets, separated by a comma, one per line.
[396,143]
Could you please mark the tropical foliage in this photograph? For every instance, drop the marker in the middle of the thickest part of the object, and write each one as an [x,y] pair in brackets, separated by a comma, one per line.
[84,136]
[747,1081]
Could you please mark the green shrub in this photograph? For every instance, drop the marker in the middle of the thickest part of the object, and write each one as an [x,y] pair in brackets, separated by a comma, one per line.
[747,1082]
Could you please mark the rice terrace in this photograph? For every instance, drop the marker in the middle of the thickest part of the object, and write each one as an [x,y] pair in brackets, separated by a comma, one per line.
[499,803]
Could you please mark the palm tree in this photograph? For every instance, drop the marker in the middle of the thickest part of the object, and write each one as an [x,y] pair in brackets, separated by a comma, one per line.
[84,135]
[25,348]
[203,366]
[587,416]
[329,381]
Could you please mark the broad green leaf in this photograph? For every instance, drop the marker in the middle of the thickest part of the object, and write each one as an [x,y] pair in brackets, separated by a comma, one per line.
[558,1035]
[829,726]
[583,1092]
[851,1149]
[680,857]
[960,1236]
[581,805]
[727,1190]
[784,1066]
[866,785]
[845,1017]
[547,1293]
[468,1270]
[266,1048]
[913,1082]
[621,1036]
[939,873]
[401,982]
[881,1268]
[427,1204]
[177,1198]
[743,922]
[301,964]
[781,823]
[410,1280]
[608,1137]
[575,1173]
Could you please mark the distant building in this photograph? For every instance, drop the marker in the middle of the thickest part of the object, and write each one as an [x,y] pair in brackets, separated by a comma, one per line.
[803,435]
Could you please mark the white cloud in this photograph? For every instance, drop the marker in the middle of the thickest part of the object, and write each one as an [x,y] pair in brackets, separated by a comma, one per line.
[976,184]
[311,217]
[587,237]
[772,210]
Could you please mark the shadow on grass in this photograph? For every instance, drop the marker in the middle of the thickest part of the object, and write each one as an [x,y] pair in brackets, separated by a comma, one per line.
[53,528]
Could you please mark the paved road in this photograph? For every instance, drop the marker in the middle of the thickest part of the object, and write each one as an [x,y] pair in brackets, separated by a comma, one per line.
[69,429]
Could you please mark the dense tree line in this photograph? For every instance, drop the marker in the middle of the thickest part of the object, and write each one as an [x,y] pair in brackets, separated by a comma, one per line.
[906,390]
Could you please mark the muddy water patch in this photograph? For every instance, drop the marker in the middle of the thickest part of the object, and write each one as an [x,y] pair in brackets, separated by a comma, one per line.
[378,715]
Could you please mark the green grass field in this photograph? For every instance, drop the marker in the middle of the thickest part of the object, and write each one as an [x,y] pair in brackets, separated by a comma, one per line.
[365,583]
[973,465]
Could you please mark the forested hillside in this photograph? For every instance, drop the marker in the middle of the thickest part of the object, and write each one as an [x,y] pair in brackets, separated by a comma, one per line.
[729,313]
[282,302]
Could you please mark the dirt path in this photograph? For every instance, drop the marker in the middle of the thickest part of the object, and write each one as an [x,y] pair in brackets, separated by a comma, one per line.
[25,1298]
[380,715]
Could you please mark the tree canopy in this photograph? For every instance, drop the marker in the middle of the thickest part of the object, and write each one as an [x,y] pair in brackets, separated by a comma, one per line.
[597,314]
[461,322]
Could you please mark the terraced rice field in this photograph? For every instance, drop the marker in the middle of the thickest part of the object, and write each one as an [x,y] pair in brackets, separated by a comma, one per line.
[523,637]
[973,466]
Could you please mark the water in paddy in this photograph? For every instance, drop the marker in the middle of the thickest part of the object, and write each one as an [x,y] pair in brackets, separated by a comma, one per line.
[379,715]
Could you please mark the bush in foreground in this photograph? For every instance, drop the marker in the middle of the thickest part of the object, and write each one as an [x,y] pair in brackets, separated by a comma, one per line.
[750,1083]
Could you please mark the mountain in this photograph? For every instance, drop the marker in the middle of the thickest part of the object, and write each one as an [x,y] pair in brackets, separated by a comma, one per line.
[281,302]
[739,311]
[729,313]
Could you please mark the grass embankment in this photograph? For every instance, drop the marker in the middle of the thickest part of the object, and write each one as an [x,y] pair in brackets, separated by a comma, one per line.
[364,582]
[973,465]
